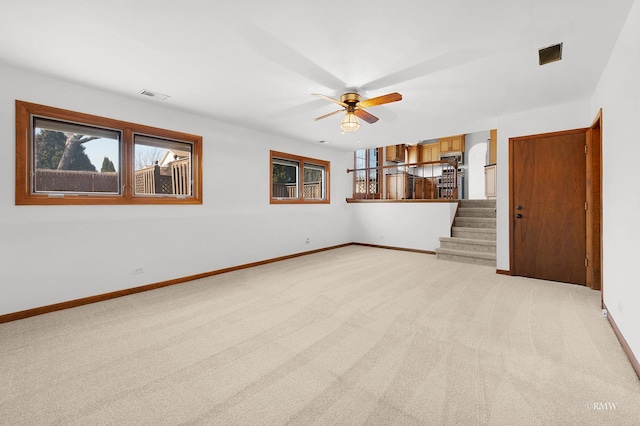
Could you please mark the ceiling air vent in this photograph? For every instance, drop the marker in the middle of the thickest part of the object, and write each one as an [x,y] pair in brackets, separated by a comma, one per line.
[550,54]
[155,95]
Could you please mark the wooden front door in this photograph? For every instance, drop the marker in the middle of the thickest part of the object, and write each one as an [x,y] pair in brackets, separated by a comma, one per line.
[548,222]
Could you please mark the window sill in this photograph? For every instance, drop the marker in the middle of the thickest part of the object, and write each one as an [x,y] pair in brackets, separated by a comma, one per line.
[440,200]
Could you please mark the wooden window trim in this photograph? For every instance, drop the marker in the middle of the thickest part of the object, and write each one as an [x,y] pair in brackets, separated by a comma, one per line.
[301,160]
[24,195]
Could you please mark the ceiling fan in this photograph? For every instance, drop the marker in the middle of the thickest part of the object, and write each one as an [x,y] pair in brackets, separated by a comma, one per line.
[354,107]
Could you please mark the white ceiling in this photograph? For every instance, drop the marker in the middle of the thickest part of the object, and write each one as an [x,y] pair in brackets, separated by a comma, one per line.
[256,62]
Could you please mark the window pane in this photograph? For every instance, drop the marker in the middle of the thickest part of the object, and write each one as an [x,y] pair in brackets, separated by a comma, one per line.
[313,182]
[162,167]
[366,181]
[73,158]
[360,176]
[284,179]
[374,181]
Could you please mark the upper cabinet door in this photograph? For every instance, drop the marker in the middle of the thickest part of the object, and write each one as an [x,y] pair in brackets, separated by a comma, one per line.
[415,154]
[395,153]
[452,144]
[430,152]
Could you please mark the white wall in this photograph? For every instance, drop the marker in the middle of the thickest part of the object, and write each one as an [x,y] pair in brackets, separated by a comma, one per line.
[407,225]
[618,94]
[474,162]
[51,254]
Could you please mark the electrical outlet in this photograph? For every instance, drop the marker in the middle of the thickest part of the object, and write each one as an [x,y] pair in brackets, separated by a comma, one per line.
[308,240]
[137,270]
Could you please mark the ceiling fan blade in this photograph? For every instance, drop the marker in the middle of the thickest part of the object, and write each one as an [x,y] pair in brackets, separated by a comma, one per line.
[432,65]
[369,118]
[384,99]
[278,52]
[328,115]
[303,109]
[330,99]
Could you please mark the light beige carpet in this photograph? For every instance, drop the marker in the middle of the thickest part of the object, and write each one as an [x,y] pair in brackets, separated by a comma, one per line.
[351,336]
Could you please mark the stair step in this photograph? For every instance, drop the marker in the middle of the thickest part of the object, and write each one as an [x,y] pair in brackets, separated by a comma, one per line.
[475,222]
[476,212]
[466,244]
[474,257]
[477,204]
[474,233]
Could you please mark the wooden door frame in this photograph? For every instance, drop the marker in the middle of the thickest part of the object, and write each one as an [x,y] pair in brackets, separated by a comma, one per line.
[593,198]
[594,203]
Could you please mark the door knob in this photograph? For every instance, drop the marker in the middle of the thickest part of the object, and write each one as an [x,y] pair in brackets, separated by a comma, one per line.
[518,216]
[519,208]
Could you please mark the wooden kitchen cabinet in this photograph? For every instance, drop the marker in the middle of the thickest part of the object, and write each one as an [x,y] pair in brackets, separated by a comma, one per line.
[430,152]
[401,186]
[425,188]
[397,187]
[415,154]
[396,153]
[493,146]
[490,181]
[452,144]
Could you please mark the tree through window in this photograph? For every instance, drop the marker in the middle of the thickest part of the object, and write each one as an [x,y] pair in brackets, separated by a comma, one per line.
[62,161]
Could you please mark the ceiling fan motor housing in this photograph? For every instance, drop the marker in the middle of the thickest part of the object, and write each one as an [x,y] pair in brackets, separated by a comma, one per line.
[350,98]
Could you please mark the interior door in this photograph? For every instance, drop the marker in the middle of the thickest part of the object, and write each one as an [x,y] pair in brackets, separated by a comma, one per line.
[548,221]
[594,203]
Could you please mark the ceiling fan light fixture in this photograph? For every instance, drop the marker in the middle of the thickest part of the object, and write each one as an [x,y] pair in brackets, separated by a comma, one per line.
[349,123]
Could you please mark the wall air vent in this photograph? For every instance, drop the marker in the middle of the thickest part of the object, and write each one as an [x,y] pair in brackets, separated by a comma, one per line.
[550,54]
[154,95]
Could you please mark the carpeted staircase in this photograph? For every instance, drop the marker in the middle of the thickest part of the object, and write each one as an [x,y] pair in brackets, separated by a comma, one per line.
[473,235]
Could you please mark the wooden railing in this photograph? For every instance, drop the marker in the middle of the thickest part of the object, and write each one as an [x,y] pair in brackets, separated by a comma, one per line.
[311,190]
[181,177]
[145,180]
[172,179]
[434,180]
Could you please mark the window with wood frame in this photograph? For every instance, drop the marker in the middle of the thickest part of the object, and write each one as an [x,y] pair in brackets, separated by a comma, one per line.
[297,180]
[367,177]
[67,157]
